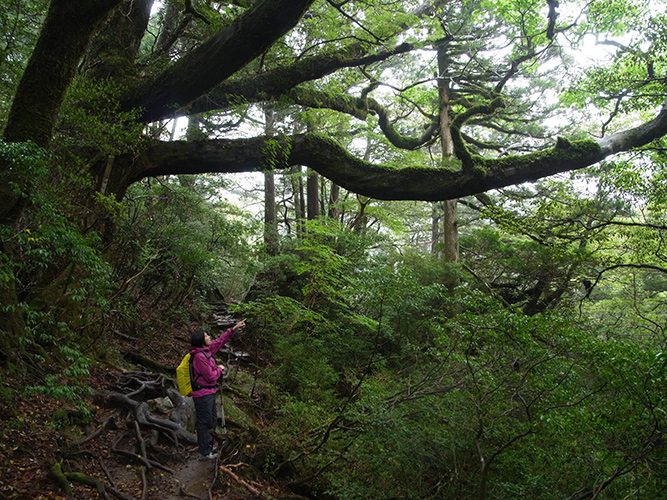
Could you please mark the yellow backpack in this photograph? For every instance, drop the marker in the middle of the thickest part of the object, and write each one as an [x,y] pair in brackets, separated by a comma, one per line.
[183,376]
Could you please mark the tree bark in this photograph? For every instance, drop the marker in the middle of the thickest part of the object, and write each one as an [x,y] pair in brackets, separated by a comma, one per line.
[114,50]
[383,182]
[313,195]
[270,216]
[215,60]
[450,217]
[435,229]
[334,198]
[63,40]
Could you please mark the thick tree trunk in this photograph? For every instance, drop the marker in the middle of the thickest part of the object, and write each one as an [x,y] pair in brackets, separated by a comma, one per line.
[113,52]
[63,40]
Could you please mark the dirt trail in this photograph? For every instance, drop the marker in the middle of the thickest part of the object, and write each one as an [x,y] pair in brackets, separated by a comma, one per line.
[193,477]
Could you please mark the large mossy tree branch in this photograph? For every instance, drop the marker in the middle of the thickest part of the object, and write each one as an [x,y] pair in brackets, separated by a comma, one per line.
[217,59]
[283,81]
[377,181]
[331,160]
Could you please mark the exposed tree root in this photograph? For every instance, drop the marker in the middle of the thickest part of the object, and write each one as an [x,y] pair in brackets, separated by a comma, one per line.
[146,433]
[63,479]
[137,434]
[56,473]
[100,461]
[143,417]
[101,488]
[108,423]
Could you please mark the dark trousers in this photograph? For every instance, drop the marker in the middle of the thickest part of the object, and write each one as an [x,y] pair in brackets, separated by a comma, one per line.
[207,419]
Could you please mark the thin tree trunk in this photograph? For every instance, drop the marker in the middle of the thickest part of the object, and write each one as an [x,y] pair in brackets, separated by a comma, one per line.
[334,198]
[297,190]
[450,225]
[270,215]
[313,194]
[435,229]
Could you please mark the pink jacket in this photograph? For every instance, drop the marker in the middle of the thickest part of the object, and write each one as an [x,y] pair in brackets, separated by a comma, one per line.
[205,368]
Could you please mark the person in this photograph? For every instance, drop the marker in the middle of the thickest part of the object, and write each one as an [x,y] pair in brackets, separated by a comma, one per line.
[205,378]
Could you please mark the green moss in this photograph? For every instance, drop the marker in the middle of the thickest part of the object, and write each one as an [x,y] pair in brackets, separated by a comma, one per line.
[275,153]
[564,150]
[479,170]
[240,418]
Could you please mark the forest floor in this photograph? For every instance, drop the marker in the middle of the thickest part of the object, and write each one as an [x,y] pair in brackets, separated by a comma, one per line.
[33,438]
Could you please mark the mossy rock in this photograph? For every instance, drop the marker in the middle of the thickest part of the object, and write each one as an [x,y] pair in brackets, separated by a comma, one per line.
[236,417]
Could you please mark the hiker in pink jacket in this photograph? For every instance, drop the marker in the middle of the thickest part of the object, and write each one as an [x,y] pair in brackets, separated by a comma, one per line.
[204,384]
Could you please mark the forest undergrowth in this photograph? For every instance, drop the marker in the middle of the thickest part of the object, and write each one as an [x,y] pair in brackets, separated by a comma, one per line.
[111,445]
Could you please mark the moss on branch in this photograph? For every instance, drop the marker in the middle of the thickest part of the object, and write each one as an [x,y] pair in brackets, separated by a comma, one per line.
[388,182]
[564,151]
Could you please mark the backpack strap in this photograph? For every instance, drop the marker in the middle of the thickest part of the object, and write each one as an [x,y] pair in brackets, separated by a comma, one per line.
[196,385]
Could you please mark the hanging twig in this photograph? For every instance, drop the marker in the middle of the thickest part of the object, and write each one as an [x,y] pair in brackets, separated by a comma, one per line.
[126,283]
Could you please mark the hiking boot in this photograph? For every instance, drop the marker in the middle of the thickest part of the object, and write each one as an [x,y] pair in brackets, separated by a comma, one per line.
[210,455]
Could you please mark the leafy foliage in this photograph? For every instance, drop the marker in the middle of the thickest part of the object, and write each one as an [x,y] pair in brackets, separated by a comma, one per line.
[542,375]
[176,242]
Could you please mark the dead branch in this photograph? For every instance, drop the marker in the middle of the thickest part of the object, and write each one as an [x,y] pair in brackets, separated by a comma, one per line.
[124,286]
[243,483]
[147,462]
[144,482]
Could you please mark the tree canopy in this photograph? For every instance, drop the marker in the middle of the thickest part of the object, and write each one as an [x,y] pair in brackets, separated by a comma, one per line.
[510,65]
[523,360]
